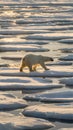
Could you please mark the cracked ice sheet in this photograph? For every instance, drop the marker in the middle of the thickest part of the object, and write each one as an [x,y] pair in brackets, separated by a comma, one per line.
[10,102]
[61,95]
[67,58]
[29,85]
[12,122]
[67,81]
[50,112]
[39,73]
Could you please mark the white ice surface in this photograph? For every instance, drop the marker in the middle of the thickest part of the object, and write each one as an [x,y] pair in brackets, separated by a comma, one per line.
[22,42]
[66,129]
[12,122]
[49,73]
[59,113]
[67,41]
[10,102]
[28,88]
[67,81]
[54,96]
[4,65]
[58,16]
[27,49]
[67,58]
[52,36]
[66,50]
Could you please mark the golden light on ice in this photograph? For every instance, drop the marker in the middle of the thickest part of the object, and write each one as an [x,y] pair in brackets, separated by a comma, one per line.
[9,13]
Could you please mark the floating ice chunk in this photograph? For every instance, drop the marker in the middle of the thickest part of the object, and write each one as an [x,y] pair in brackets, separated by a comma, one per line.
[67,41]
[4,65]
[67,58]
[12,32]
[37,4]
[21,21]
[49,100]
[5,36]
[50,112]
[68,81]
[13,80]
[28,88]
[61,93]
[11,58]
[42,80]
[66,129]
[57,96]
[23,42]
[10,102]
[11,122]
[66,50]
[28,49]
[60,63]
[51,37]
[56,74]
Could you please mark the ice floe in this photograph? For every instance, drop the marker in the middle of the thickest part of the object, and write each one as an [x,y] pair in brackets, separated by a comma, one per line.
[66,50]
[31,21]
[55,96]
[12,122]
[50,112]
[10,102]
[67,41]
[14,80]
[62,63]
[18,4]
[66,129]
[11,58]
[55,74]
[68,81]
[14,32]
[49,100]
[23,42]
[67,58]
[51,37]
[27,49]
[4,65]
[28,88]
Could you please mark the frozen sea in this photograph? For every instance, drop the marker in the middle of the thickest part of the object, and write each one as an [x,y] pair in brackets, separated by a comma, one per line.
[40,100]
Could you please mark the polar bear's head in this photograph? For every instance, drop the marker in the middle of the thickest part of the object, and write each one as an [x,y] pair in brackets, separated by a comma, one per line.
[48,59]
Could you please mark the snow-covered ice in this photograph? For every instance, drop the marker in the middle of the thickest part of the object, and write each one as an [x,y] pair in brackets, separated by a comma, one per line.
[44,28]
[52,74]
[10,102]
[67,58]
[52,112]
[67,81]
[12,122]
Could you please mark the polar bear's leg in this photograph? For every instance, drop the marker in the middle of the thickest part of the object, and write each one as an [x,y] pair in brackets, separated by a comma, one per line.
[21,69]
[22,66]
[43,65]
[30,68]
[34,68]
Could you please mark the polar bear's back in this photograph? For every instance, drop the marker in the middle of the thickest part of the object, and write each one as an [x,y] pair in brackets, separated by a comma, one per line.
[32,59]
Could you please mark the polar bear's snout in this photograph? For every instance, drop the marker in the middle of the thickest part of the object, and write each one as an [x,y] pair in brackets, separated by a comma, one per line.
[51,59]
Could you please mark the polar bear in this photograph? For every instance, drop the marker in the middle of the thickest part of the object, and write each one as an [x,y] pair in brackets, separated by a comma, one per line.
[32,61]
